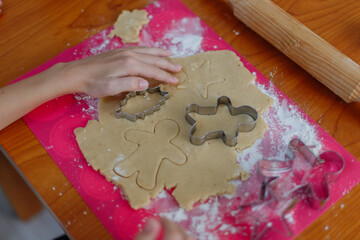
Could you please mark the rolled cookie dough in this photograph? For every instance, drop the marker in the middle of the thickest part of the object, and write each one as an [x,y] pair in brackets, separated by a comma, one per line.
[129,24]
[207,169]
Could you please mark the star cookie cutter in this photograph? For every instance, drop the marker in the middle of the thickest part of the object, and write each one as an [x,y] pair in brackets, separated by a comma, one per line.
[133,118]
[211,110]
[301,176]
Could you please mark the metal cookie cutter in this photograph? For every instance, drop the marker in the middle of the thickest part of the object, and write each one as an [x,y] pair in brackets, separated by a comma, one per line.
[314,172]
[120,114]
[302,175]
[211,110]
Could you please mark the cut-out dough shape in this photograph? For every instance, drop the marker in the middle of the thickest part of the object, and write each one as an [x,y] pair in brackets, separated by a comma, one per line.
[201,69]
[129,24]
[143,161]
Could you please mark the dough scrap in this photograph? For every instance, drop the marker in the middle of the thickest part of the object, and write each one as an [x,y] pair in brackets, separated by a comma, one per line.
[210,167]
[129,24]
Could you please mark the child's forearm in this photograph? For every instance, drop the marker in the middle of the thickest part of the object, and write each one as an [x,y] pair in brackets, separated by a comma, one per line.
[20,98]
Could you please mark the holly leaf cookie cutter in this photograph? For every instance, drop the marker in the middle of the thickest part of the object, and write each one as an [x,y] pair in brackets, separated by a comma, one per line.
[211,110]
[120,114]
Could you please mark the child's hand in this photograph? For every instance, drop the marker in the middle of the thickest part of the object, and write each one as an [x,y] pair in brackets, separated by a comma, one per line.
[172,231]
[118,71]
[106,74]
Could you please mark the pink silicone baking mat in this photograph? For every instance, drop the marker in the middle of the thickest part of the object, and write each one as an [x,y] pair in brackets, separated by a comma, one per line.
[172,25]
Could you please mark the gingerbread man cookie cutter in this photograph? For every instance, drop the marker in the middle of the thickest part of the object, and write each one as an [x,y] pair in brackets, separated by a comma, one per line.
[120,114]
[211,110]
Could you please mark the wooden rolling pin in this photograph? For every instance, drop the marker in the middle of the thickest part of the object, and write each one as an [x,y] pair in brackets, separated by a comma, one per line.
[323,61]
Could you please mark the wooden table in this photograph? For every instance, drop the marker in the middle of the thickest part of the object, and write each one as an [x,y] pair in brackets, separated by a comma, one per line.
[33,32]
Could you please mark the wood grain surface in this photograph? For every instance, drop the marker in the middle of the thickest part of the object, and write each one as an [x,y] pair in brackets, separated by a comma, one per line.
[307,49]
[33,32]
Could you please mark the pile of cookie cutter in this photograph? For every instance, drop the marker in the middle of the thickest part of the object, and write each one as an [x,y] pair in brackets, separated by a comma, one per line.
[211,110]
[120,114]
[318,172]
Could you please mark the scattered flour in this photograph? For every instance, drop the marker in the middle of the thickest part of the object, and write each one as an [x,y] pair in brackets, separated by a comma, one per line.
[227,227]
[290,217]
[183,37]
[176,216]
[91,102]
[100,48]
[162,194]
[185,45]
[285,122]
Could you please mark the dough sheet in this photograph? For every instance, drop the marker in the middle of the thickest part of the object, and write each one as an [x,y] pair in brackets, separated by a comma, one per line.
[146,156]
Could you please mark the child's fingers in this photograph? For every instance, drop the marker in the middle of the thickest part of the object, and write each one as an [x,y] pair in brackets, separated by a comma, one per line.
[132,67]
[160,62]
